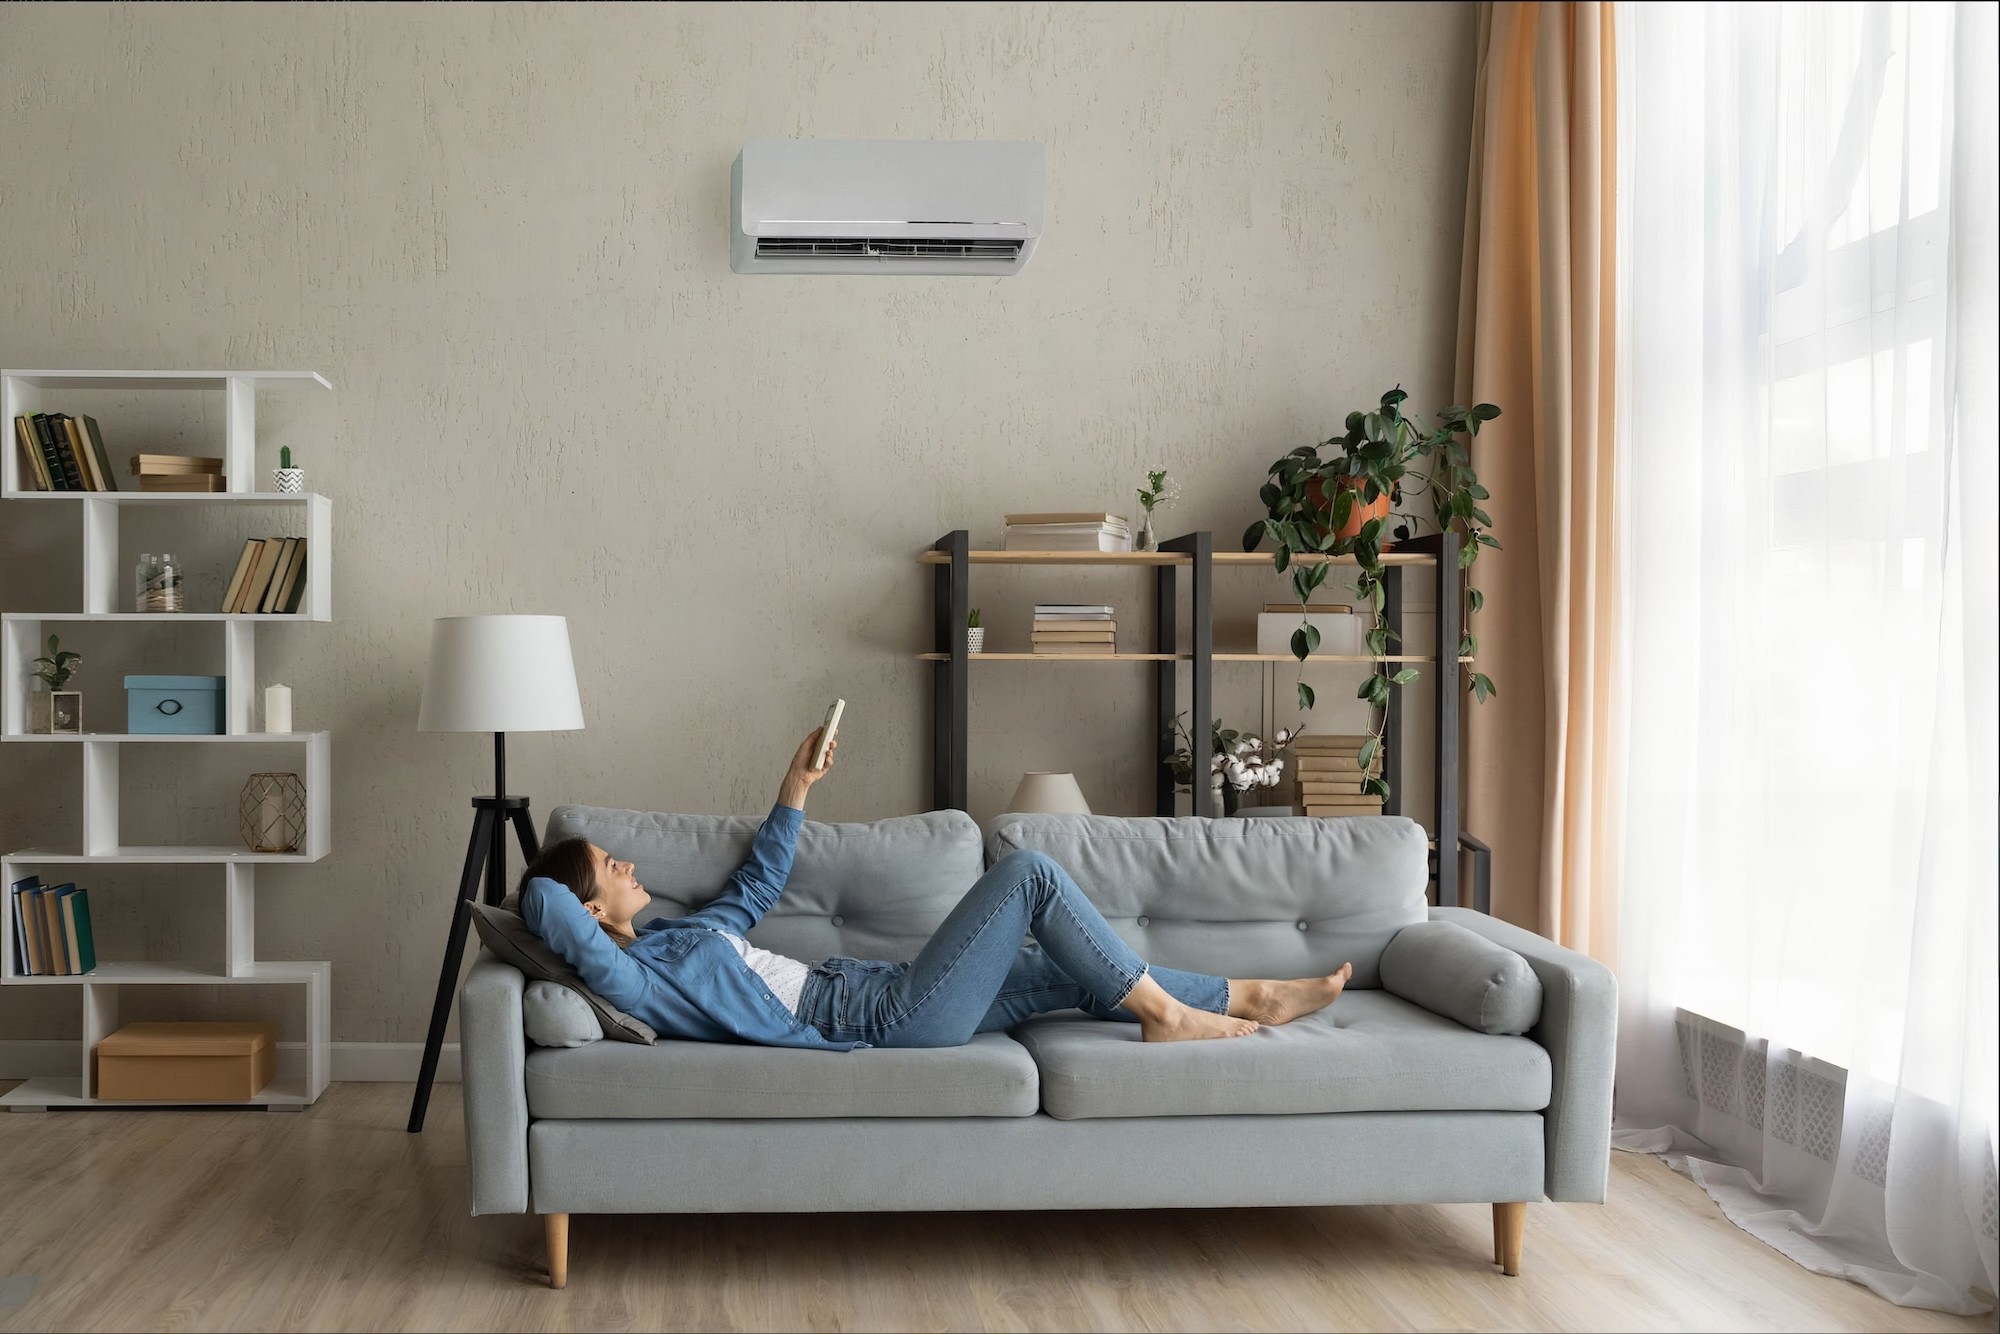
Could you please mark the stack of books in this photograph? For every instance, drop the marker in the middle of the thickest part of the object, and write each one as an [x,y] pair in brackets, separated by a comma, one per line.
[1073,627]
[1329,781]
[1067,532]
[270,576]
[62,453]
[177,472]
[52,935]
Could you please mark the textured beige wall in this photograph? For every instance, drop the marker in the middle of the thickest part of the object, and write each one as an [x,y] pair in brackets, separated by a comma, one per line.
[502,232]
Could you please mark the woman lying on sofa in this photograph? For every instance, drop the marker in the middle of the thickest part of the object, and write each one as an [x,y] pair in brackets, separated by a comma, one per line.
[697,977]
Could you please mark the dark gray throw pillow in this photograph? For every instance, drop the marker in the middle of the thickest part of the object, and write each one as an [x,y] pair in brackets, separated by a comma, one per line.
[1462,975]
[511,941]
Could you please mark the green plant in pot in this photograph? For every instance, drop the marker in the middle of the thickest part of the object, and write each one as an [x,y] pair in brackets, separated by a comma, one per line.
[54,709]
[1340,497]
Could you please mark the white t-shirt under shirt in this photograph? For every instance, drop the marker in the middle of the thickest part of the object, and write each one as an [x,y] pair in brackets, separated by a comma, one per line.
[785,977]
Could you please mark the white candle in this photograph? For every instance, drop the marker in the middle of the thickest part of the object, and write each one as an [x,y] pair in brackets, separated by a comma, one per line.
[277,708]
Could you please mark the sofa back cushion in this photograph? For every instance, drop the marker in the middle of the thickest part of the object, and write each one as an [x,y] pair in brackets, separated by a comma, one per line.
[1241,898]
[869,891]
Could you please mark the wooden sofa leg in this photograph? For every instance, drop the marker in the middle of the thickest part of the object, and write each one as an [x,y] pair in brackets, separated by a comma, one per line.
[557,1228]
[1509,1222]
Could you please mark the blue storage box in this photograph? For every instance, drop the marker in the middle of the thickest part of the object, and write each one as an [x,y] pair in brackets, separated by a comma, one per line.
[173,704]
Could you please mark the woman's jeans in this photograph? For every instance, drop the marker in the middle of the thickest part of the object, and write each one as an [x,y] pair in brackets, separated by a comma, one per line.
[976,976]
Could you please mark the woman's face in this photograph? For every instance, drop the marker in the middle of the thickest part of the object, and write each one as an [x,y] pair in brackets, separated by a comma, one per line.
[620,897]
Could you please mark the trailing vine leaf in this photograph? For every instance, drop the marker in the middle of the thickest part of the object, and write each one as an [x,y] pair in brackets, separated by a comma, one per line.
[1383,452]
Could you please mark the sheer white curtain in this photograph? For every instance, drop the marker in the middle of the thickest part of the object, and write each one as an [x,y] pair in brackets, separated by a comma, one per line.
[1809,434]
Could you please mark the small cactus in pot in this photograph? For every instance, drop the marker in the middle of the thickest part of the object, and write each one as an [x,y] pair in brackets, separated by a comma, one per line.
[285,477]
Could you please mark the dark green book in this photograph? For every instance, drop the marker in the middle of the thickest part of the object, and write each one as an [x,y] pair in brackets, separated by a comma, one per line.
[76,932]
[88,425]
[51,425]
[43,437]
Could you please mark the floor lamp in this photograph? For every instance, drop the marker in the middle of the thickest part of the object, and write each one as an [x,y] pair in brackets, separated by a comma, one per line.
[495,674]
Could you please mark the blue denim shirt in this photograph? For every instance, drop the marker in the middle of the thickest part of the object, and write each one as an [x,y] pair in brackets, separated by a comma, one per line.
[680,976]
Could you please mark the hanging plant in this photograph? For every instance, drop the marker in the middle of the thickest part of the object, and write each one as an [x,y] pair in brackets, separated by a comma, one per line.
[1338,498]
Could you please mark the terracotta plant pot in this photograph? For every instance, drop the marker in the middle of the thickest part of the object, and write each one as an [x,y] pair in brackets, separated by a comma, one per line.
[1361,513]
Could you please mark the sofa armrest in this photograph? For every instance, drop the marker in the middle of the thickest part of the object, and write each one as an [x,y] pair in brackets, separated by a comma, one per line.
[493,1056]
[1579,1030]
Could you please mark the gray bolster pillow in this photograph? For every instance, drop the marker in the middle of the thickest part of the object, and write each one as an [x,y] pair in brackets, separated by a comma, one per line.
[1464,976]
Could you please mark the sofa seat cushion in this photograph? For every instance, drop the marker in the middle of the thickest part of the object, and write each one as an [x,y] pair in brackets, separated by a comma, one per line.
[990,1076]
[1368,1052]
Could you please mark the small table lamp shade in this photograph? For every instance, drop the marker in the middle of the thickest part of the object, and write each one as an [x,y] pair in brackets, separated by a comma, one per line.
[1049,794]
[500,674]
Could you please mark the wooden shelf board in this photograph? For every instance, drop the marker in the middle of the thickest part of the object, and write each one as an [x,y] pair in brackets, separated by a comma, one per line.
[250,738]
[287,1090]
[171,497]
[163,856]
[991,557]
[1264,558]
[1059,657]
[1320,658]
[46,379]
[153,973]
[987,557]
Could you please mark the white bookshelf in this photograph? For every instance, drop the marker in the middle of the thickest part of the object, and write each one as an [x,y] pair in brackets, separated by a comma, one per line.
[303,1066]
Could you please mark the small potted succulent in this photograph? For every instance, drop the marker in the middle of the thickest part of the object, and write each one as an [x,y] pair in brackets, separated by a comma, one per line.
[975,633]
[285,477]
[51,709]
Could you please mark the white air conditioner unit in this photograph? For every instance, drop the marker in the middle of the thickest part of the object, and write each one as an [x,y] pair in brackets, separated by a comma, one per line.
[885,206]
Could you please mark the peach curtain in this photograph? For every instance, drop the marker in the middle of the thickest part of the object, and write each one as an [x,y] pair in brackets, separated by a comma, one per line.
[1536,327]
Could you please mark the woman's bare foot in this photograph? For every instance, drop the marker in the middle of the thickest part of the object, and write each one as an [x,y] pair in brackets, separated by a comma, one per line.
[1280,1002]
[1184,1023]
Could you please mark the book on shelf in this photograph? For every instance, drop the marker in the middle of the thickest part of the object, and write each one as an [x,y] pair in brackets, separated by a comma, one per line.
[1071,649]
[95,439]
[244,561]
[295,583]
[54,955]
[1052,611]
[1337,815]
[1062,637]
[1092,518]
[79,445]
[1066,532]
[289,557]
[56,446]
[193,483]
[175,463]
[1319,741]
[1075,623]
[80,948]
[34,469]
[26,956]
[251,595]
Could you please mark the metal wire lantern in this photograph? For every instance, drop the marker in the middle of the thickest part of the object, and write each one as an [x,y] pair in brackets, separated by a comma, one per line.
[273,812]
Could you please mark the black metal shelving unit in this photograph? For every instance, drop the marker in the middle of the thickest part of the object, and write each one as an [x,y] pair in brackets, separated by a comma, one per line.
[1193,555]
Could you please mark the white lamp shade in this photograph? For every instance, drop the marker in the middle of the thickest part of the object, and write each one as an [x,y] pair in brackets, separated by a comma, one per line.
[500,674]
[1049,794]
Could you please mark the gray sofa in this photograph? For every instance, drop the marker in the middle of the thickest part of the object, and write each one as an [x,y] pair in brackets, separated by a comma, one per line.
[1384,1098]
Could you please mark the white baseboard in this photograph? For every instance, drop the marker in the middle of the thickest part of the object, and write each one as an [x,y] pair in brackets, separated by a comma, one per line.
[353,1062]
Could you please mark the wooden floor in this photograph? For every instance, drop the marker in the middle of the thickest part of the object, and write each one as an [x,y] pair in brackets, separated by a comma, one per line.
[334,1218]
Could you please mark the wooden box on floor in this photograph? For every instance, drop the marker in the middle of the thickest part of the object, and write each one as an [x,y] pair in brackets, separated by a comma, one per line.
[192,1062]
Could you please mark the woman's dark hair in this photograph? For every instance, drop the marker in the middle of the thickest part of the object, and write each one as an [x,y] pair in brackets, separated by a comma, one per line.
[570,865]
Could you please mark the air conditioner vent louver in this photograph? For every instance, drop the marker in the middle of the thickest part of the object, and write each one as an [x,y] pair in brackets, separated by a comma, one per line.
[890,250]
